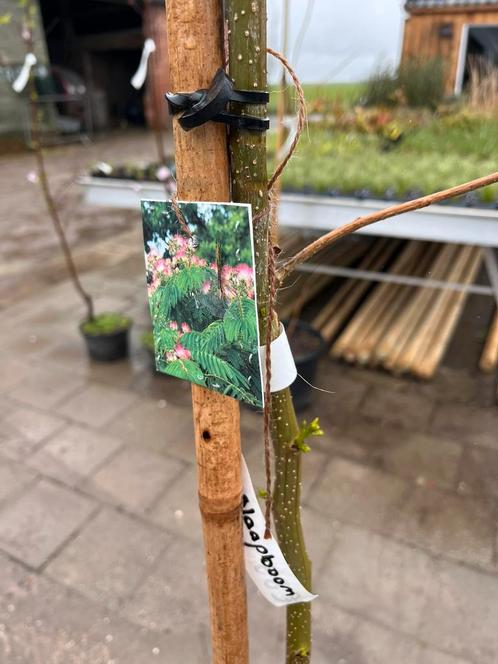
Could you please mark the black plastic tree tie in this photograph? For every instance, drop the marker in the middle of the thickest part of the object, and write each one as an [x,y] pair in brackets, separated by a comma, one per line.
[204,105]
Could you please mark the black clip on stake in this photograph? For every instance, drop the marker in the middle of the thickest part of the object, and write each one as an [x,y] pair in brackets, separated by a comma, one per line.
[205,105]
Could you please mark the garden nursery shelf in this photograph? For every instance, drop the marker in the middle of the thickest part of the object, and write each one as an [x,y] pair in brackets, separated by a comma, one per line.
[438,223]
[395,262]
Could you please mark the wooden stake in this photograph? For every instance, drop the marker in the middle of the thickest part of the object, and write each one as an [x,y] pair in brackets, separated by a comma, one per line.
[420,333]
[449,313]
[343,302]
[489,357]
[345,344]
[407,332]
[404,324]
[195,53]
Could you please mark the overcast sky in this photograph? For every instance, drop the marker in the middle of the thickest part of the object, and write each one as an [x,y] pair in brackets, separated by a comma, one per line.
[345,39]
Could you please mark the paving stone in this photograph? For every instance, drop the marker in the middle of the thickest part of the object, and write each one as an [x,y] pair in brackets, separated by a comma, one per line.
[334,634]
[24,429]
[177,510]
[120,373]
[462,613]
[378,578]
[150,384]
[477,426]
[347,393]
[457,386]
[46,386]
[109,557]
[96,405]
[5,407]
[71,354]
[174,594]
[357,494]
[135,478]
[13,478]
[353,441]
[266,628]
[28,343]
[429,656]
[430,460]
[73,453]
[409,411]
[13,371]
[448,525]
[158,425]
[11,574]
[378,646]
[45,623]
[33,527]
[479,472]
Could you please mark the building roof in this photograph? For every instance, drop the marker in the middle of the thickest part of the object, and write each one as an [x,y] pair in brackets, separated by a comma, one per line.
[435,4]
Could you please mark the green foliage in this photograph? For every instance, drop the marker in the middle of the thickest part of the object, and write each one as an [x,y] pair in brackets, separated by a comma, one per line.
[422,82]
[185,369]
[107,323]
[418,83]
[182,283]
[204,322]
[213,226]
[321,96]
[239,322]
[306,431]
[440,153]
[381,88]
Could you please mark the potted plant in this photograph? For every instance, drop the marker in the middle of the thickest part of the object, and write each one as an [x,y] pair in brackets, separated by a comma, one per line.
[106,334]
[307,346]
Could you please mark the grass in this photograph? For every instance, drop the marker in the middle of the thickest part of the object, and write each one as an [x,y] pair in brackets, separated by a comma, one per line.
[107,323]
[442,153]
[347,93]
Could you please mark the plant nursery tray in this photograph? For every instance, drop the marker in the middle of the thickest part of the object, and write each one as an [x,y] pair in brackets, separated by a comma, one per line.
[438,223]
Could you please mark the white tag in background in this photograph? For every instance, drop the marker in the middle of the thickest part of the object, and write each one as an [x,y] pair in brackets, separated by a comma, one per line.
[283,367]
[264,560]
[138,78]
[22,79]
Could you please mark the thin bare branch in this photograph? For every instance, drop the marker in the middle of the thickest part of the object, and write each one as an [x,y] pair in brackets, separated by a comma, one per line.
[360,222]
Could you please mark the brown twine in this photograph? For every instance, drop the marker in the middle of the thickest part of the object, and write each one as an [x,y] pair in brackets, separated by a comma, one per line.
[271,209]
[272,288]
[179,215]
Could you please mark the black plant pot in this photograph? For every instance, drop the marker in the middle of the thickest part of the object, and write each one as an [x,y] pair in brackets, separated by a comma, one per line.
[107,347]
[307,346]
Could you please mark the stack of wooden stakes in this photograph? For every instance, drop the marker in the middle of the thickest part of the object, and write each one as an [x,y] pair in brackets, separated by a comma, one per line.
[400,328]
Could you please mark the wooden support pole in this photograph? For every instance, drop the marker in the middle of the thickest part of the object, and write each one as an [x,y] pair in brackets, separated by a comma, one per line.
[489,357]
[195,45]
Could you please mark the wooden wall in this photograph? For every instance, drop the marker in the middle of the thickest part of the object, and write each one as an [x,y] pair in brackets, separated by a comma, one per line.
[422,37]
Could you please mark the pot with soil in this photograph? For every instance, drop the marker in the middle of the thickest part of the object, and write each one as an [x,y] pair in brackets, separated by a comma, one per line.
[106,336]
[307,346]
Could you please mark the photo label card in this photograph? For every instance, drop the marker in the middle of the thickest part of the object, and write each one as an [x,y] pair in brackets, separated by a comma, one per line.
[202,296]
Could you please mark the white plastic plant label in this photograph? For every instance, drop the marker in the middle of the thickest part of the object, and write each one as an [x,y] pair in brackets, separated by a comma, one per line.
[283,367]
[140,75]
[23,77]
[264,560]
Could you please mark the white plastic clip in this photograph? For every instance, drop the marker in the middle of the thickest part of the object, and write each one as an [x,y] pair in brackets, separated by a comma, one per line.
[21,81]
[283,367]
[140,75]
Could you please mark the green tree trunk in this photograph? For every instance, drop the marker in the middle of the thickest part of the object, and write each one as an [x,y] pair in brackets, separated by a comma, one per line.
[248,69]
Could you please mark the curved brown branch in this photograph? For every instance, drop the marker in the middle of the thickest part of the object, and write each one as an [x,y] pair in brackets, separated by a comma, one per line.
[360,222]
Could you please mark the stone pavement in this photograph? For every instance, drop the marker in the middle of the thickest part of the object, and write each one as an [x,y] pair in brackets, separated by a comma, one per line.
[100,547]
